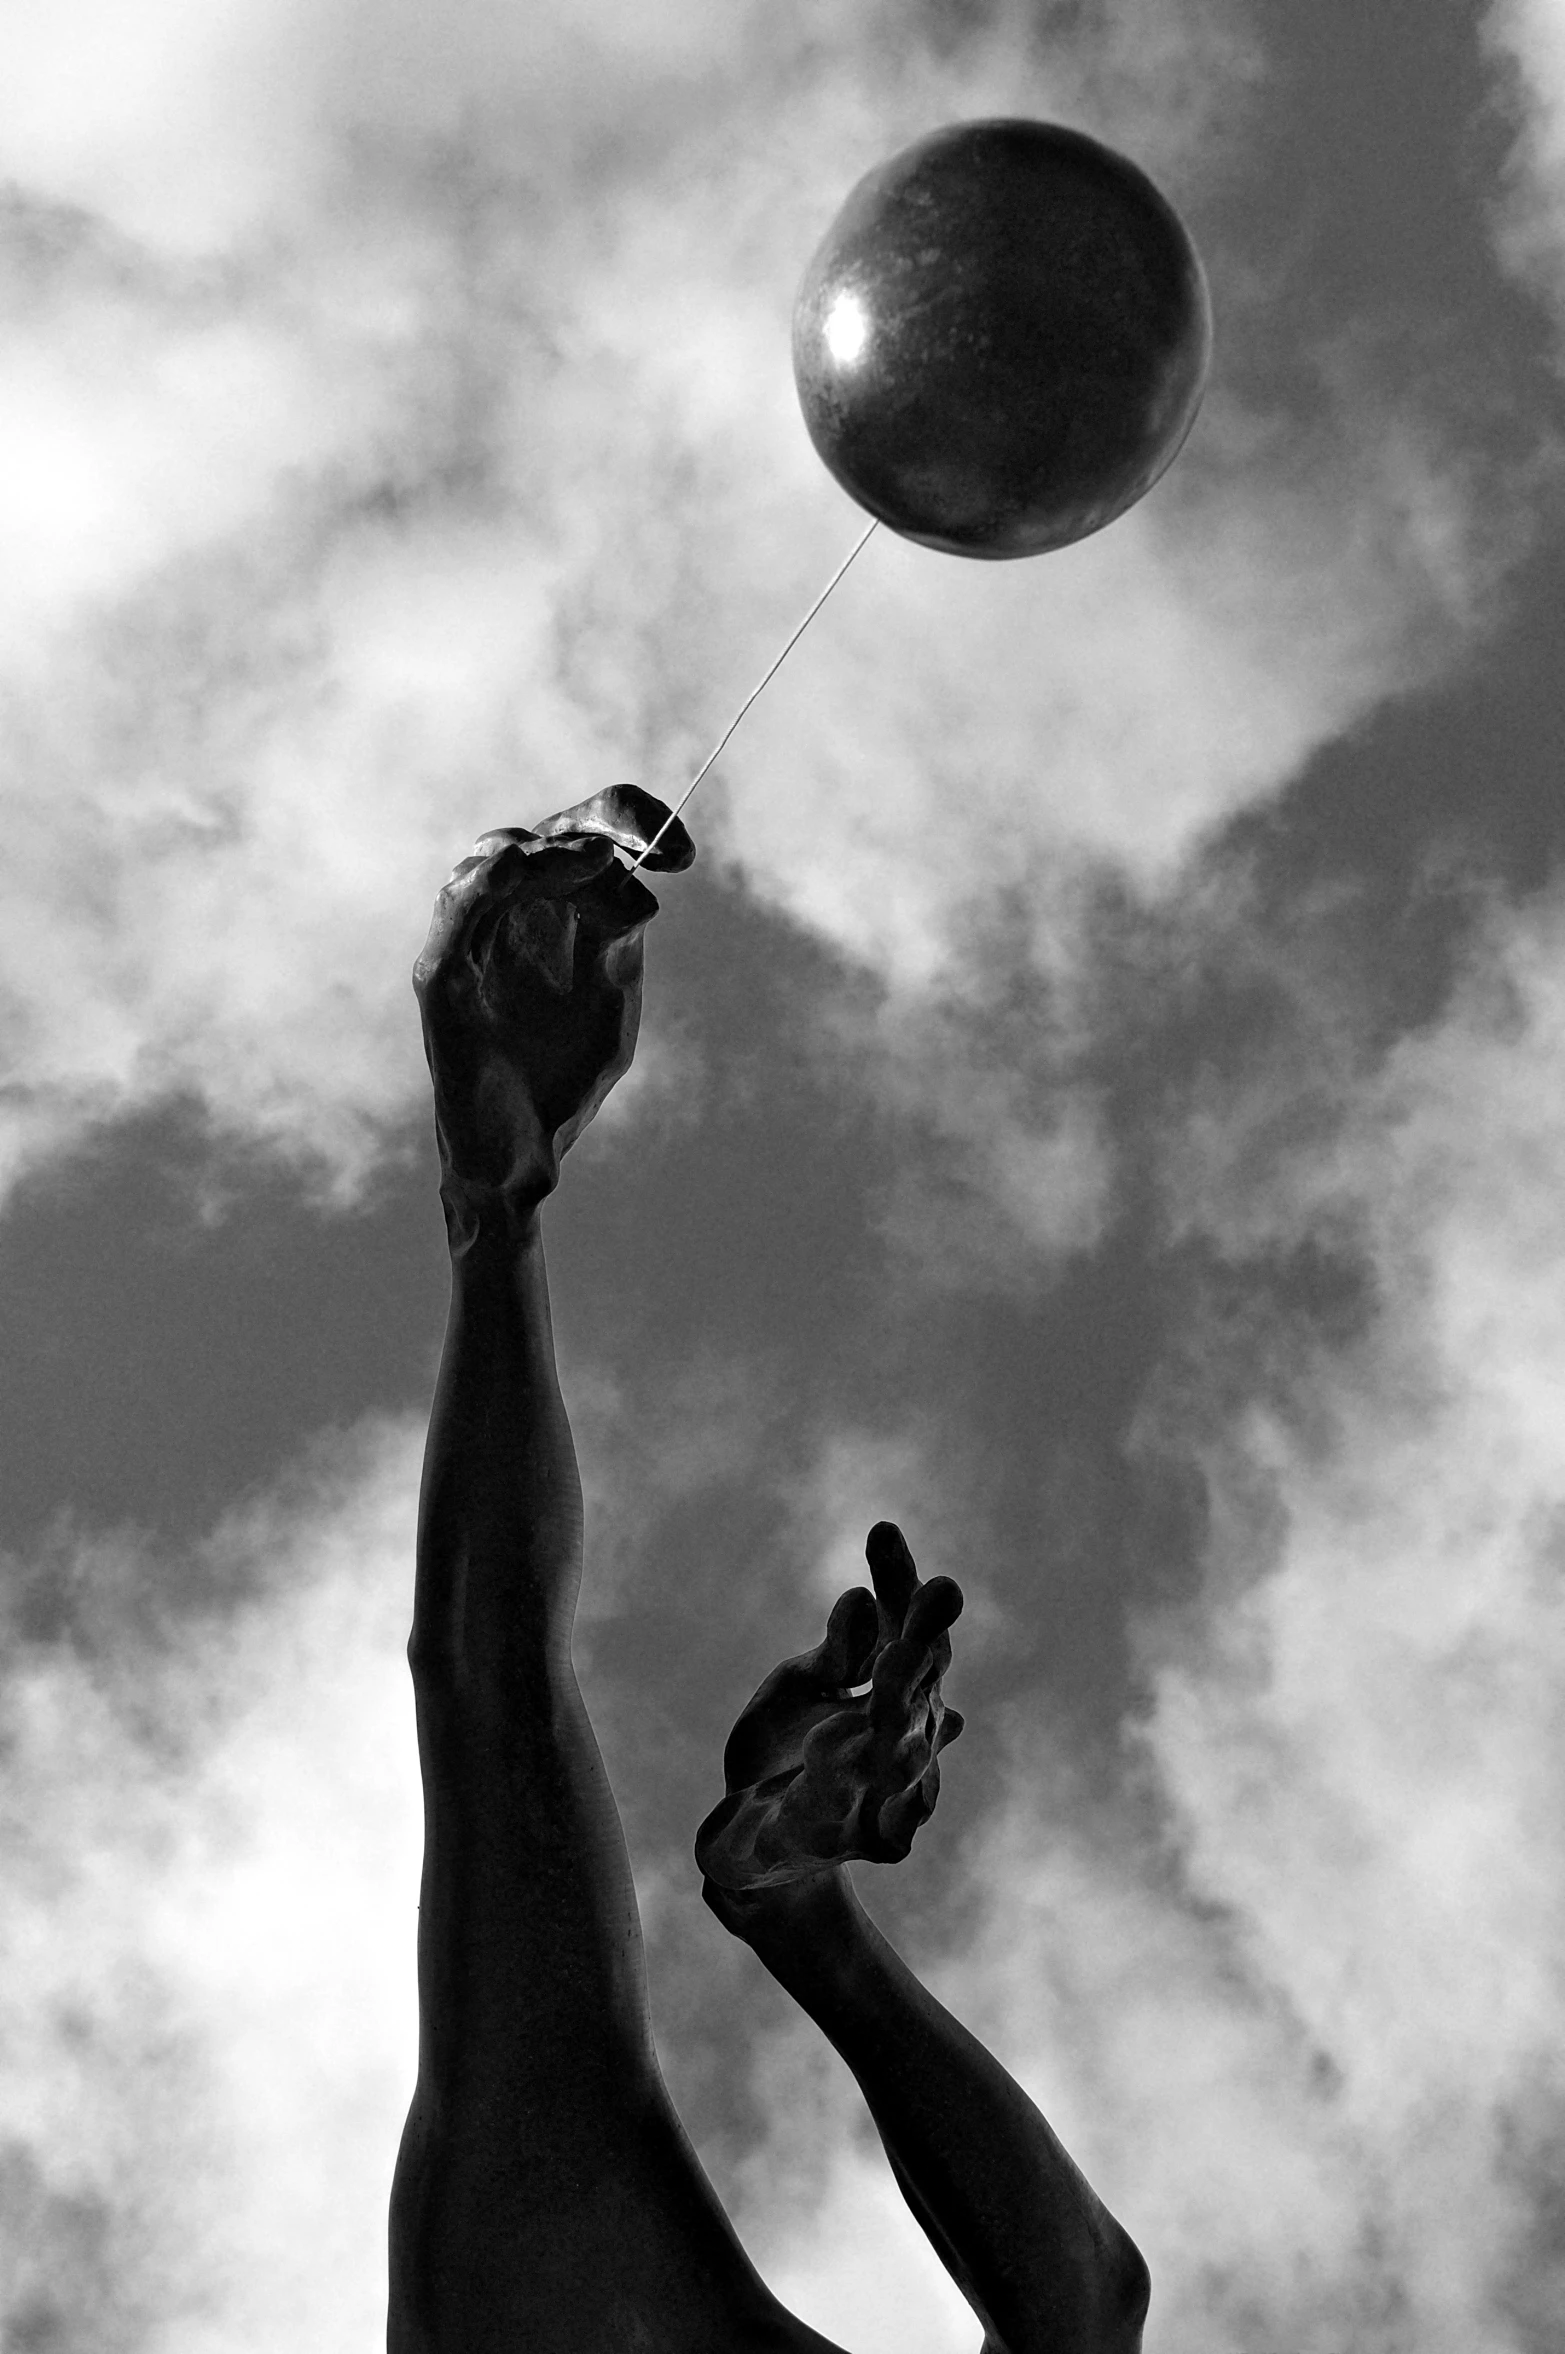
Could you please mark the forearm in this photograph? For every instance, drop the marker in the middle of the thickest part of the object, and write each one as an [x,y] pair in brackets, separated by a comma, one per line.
[500,1514]
[1044,2264]
[528,1926]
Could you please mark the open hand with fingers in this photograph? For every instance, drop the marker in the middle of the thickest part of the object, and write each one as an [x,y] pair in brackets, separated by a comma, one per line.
[819,1774]
[530,986]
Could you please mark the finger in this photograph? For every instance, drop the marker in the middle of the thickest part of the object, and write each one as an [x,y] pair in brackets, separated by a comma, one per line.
[852,1631]
[615,905]
[505,865]
[709,1836]
[901,1669]
[531,893]
[933,1608]
[778,1718]
[631,819]
[891,1567]
[520,864]
[905,1815]
[951,1727]
[495,838]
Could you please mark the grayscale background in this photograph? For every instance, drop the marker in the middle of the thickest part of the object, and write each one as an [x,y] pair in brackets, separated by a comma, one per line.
[1100,1105]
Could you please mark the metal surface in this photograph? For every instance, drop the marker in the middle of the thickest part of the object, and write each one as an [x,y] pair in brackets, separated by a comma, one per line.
[1003,339]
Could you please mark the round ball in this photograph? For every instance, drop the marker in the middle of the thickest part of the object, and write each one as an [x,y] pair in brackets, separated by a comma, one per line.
[1003,338]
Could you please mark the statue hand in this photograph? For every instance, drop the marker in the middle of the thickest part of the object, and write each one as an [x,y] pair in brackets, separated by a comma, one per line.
[817,1776]
[530,987]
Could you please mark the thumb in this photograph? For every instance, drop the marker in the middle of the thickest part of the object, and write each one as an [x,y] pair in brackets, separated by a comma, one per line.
[524,865]
[630,818]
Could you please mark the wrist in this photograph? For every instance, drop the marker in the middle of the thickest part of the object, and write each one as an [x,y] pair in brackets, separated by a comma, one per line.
[485,1219]
[498,1162]
[808,1933]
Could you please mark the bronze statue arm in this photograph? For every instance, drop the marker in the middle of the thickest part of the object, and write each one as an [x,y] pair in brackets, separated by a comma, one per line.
[530,990]
[545,2195]
[818,1773]
[529,986]
[1037,2255]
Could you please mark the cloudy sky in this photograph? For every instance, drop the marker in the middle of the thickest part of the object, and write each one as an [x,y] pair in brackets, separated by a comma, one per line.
[1101,1103]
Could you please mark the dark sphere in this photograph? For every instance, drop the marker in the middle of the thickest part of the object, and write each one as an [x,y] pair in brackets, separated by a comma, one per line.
[1003,338]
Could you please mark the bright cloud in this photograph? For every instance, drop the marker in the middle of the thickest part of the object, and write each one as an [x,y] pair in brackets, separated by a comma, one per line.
[1296,2000]
[1296,2003]
[1360,1730]
[208,2028]
[1528,38]
[210,1846]
[821,2215]
[399,439]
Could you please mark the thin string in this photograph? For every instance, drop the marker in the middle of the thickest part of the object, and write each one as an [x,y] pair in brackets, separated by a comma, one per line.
[754,692]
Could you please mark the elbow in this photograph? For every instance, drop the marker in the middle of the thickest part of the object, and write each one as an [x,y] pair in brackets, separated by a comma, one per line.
[431,1664]
[1101,2310]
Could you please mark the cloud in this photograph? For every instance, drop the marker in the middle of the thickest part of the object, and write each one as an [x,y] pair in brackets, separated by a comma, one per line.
[1292,1995]
[1116,702]
[1014,1166]
[821,2216]
[857,1478]
[1358,1726]
[401,440]
[210,1848]
[1291,1986]
[1173,2069]
[1527,39]
[211,1835]
[1172,2072]
[690,1429]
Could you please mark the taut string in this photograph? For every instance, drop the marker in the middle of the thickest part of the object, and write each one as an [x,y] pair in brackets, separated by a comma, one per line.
[754,692]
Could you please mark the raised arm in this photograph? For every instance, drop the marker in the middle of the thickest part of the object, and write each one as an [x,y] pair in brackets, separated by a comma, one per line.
[816,1776]
[529,987]
[530,990]
[546,2196]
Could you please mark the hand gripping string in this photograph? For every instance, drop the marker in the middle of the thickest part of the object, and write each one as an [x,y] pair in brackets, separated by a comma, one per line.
[754,692]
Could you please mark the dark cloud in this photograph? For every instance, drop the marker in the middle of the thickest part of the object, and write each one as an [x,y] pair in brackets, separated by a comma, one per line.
[1097,1110]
